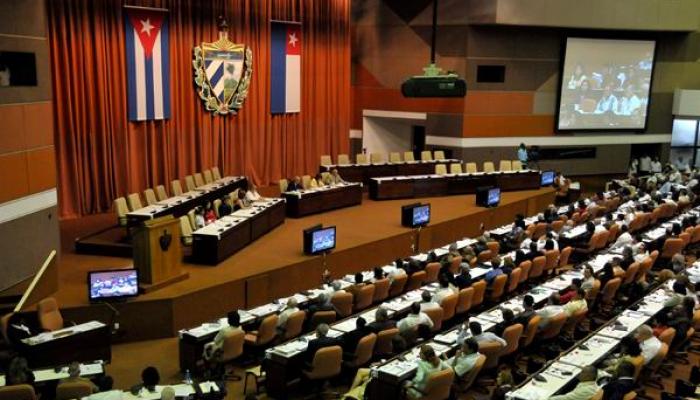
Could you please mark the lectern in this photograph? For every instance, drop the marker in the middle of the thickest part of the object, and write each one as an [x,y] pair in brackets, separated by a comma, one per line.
[158,253]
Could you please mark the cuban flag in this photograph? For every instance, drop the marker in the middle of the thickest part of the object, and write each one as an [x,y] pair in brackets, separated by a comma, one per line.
[285,67]
[147,64]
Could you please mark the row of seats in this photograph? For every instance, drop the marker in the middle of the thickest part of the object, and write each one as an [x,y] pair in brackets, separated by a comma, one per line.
[470,167]
[378,158]
[133,201]
[305,181]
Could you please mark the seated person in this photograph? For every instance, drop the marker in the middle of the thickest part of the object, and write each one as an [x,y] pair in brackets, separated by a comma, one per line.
[323,303]
[294,184]
[322,340]
[149,380]
[226,206]
[381,321]
[495,271]
[378,274]
[74,376]
[617,388]
[334,178]
[214,348]
[352,338]
[576,304]
[452,252]
[446,289]
[588,280]
[586,388]
[427,301]
[552,309]
[625,238]
[428,364]
[316,181]
[465,358]
[630,351]
[18,372]
[464,279]
[482,337]
[359,283]
[252,195]
[284,314]
[209,214]
[676,298]
[570,292]
[528,311]
[649,343]
[416,320]
[240,202]
[508,320]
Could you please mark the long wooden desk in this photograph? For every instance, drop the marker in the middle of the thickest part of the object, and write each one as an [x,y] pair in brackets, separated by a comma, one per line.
[83,343]
[181,205]
[312,201]
[364,172]
[403,187]
[221,239]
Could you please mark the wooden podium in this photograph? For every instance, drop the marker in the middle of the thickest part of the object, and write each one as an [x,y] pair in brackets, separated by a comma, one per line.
[158,253]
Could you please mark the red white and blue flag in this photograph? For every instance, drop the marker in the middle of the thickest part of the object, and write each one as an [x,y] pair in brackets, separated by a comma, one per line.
[285,67]
[147,64]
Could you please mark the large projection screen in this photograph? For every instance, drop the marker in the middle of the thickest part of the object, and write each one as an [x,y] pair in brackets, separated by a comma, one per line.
[605,84]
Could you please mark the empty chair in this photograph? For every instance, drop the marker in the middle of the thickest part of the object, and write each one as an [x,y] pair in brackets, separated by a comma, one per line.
[439,155]
[416,281]
[50,317]
[435,315]
[326,160]
[364,297]
[381,290]
[488,166]
[176,187]
[497,288]
[514,280]
[198,179]
[512,337]
[464,302]
[440,169]
[363,352]
[306,181]
[525,268]
[343,159]
[134,201]
[455,168]
[343,303]
[517,165]
[426,155]
[530,331]
[215,173]
[266,333]
[449,307]
[376,158]
[121,209]
[208,176]
[283,185]
[17,392]
[185,231]
[150,196]
[294,326]
[322,317]
[395,157]
[189,183]
[505,165]
[361,159]
[471,168]
[479,291]
[161,194]
[537,269]
[607,298]
[327,363]
[438,385]
[384,345]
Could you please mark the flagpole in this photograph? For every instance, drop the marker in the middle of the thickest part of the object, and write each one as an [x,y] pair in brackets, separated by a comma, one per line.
[146,8]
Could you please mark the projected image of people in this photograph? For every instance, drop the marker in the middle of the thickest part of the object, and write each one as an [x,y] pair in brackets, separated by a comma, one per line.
[323,240]
[110,284]
[605,84]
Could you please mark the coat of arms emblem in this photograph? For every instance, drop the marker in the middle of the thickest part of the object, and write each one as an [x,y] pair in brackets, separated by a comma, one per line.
[222,72]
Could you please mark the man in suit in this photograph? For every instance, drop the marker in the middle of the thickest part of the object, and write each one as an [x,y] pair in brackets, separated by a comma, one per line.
[294,185]
[528,311]
[381,321]
[352,338]
[226,207]
[623,384]
[464,279]
[322,340]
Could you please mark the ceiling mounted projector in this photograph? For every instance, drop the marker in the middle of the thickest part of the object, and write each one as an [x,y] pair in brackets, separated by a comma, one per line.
[433,83]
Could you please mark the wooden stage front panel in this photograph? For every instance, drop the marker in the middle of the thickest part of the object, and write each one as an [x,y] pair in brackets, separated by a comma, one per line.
[274,266]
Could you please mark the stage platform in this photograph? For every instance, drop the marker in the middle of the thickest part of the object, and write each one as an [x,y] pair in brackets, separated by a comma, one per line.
[274,266]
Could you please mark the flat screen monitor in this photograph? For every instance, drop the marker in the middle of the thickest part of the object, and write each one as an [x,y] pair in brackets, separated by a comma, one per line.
[318,240]
[415,215]
[605,84]
[113,284]
[547,178]
[494,197]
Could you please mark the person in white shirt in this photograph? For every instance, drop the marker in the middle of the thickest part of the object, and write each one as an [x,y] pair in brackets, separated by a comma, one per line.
[645,164]
[649,343]
[656,166]
[480,336]
[214,348]
[446,289]
[625,237]
[586,388]
[552,309]
[630,104]
[288,310]
[252,194]
[334,178]
[410,323]
[578,303]
[427,302]
[682,165]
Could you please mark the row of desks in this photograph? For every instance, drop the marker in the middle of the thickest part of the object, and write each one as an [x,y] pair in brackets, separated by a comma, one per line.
[301,203]
[401,187]
[364,172]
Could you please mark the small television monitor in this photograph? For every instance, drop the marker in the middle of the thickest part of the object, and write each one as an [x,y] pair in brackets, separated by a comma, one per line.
[115,284]
[547,178]
[318,239]
[415,215]
[494,197]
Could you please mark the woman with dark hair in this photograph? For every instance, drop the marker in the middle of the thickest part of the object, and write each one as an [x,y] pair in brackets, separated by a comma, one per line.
[150,377]
[630,351]
[607,274]
[18,372]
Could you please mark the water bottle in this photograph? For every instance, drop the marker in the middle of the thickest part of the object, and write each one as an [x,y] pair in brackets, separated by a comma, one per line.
[188,377]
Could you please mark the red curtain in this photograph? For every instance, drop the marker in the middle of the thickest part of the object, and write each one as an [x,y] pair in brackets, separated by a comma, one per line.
[101,155]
